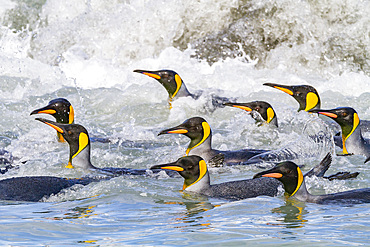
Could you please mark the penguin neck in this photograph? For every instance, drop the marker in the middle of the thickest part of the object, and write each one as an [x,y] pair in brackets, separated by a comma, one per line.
[302,194]
[354,143]
[81,160]
[200,185]
[180,92]
[199,147]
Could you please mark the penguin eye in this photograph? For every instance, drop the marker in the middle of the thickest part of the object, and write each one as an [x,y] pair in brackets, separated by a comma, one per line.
[165,76]
[69,132]
[344,114]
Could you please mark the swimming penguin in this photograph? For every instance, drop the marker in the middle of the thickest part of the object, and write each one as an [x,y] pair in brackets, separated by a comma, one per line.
[35,188]
[261,111]
[294,184]
[61,109]
[200,134]
[79,150]
[196,179]
[308,99]
[352,140]
[176,87]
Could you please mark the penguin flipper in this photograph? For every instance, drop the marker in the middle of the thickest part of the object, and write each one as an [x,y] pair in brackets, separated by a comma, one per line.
[320,169]
[342,175]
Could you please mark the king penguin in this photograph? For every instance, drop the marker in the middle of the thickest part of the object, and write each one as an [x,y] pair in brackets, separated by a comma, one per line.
[349,121]
[79,150]
[197,179]
[261,111]
[176,87]
[295,187]
[200,134]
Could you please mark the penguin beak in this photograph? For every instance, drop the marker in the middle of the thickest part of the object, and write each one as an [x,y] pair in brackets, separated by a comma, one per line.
[175,130]
[284,88]
[327,113]
[46,110]
[272,173]
[169,166]
[148,73]
[242,106]
[57,126]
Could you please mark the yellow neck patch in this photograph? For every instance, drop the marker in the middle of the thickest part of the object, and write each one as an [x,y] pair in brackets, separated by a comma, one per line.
[206,133]
[356,122]
[202,172]
[82,143]
[71,115]
[270,114]
[311,101]
[69,166]
[300,180]
[178,84]
[60,137]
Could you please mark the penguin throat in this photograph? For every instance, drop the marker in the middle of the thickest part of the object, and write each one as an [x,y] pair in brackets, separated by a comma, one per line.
[206,134]
[346,132]
[83,142]
[178,81]
[299,182]
[311,101]
[202,173]
[270,114]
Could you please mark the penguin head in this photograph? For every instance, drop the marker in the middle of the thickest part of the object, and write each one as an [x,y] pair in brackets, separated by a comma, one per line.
[263,108]
[286,172]
[346,117]
[76,136]
[307,96]
[196,128]
[60,108]
[169,79]
[192,168]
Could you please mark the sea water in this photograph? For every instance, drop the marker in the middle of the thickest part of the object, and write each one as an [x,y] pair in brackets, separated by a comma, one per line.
[86,51]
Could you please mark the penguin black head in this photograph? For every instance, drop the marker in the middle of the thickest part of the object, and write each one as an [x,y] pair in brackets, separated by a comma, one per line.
[76,136]
[346,117]
[263,108]
[192,168]
[307,96]
[288,173]
[60,108]
[169,79]
[196,128]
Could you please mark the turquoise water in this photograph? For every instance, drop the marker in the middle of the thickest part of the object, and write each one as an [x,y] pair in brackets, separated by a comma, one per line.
[85,51]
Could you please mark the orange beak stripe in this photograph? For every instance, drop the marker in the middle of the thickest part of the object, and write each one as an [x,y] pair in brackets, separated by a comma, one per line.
[332,115]
[246,108]
[173,168]
[50,111]
[155,76]
[55,127]
[180,131]
[273,175]
[284,90]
